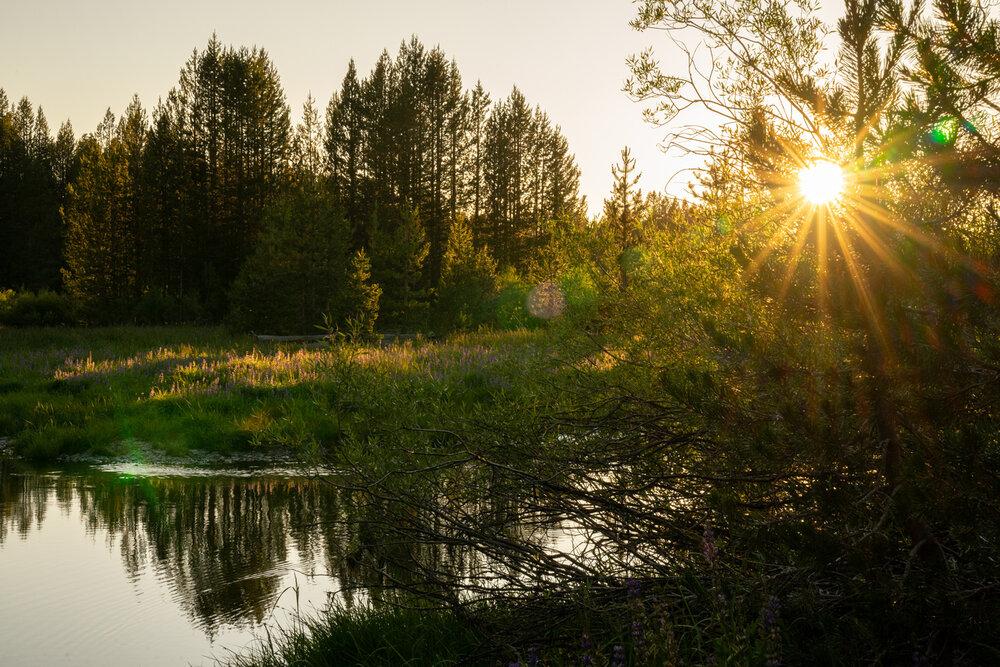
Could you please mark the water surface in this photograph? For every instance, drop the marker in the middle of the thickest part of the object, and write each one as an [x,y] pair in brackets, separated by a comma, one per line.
[139,565]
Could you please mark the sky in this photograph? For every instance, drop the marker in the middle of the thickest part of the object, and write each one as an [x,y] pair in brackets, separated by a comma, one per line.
[77,58]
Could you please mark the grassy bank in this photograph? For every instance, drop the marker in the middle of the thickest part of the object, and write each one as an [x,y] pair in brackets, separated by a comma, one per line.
[184,389]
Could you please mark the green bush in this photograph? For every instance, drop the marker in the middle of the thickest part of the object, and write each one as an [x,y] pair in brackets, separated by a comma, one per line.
[30,309]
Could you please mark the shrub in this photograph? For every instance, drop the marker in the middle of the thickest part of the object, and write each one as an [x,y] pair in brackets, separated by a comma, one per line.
[30,309]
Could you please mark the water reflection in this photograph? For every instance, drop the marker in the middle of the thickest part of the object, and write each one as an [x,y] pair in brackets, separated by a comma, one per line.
[221,545]
[225,548]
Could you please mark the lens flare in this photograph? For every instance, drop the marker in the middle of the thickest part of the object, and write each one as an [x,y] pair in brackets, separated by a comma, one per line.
[546,301]
[822,182]
[944,132]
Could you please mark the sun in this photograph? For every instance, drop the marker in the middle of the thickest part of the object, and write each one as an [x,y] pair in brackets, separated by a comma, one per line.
[822,182]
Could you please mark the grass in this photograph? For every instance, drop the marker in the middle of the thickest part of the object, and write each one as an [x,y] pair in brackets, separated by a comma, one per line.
[184,389]
[369,636]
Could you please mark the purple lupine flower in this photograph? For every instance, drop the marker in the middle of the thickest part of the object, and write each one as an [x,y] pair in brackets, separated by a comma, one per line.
[632,587]
[638,636]
[618,657]
[585,647]
[770,613]
[532,657]
[708,546]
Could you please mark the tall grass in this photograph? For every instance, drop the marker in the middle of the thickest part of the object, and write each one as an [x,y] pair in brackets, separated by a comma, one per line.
[87,391]
[371,637]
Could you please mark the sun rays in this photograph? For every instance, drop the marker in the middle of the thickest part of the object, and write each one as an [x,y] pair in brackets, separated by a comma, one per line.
[822,182]
[843,220]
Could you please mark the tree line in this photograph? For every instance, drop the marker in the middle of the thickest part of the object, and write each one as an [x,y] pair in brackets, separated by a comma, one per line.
[214,206]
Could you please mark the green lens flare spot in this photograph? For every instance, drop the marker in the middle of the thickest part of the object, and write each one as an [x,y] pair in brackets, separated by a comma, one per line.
[944,132]
[723,225]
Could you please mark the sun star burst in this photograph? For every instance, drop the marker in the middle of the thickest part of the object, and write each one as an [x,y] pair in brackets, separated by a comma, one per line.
[822,182]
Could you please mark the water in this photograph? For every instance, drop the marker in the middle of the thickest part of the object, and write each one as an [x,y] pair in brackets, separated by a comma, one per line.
[134,565]
[158,564]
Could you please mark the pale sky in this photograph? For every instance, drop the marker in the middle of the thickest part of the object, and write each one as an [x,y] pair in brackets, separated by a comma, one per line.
[76,58]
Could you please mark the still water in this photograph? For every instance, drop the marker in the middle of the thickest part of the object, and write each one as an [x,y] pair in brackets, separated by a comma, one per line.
[137,565]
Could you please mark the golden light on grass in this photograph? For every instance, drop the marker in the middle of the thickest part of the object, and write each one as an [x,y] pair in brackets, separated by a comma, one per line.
[822,182]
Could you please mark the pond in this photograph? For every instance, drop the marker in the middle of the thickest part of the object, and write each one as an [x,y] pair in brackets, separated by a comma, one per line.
[132,564]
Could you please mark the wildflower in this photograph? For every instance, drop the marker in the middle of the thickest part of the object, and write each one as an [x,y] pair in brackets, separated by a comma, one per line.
[532,657]
[770,613]
[708,546]
[585,647]
[638,636]
[618,657]
[632,587]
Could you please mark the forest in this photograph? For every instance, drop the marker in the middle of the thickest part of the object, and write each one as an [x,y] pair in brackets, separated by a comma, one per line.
[765,417]
[213,208]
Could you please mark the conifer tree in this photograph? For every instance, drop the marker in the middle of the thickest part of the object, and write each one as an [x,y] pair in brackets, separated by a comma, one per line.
[345,144]
[308,143]
[101,254]
[468,279]
[398,257]
[622,210]
[479,107]
[361,297]
[30,196]
[298,270]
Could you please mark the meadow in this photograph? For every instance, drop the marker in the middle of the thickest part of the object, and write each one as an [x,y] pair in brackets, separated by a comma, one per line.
[190,391]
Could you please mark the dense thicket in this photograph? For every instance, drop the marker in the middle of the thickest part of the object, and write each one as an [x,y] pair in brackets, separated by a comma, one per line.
[163,210]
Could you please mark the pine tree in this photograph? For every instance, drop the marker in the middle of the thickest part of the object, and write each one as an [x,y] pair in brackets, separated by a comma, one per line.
[298,269]
[361,298]
[231,112]
[479,107]
[30,197]
[345,144]
[398,258]
[468,280]
[101,226]
[622,210]
[308,144]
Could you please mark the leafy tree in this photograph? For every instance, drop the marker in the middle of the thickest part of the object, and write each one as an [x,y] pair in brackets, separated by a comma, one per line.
[819,329]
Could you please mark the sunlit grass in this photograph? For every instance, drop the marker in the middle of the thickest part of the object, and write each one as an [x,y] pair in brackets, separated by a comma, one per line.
[184,389]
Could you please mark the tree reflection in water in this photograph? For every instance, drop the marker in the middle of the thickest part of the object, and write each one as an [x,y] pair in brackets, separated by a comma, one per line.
[221,543]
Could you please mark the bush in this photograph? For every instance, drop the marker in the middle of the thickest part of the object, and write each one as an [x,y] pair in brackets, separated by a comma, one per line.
[30,309]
